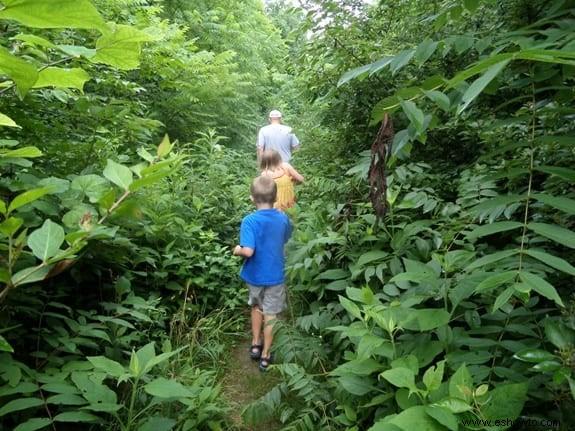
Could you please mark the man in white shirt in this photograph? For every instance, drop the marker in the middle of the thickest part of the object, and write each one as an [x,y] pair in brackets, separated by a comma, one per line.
[278,137]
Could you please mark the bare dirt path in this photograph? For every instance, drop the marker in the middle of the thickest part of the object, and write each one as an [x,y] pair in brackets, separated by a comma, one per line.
[245,383]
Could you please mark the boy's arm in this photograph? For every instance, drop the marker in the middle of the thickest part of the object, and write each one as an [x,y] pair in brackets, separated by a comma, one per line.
[243,251]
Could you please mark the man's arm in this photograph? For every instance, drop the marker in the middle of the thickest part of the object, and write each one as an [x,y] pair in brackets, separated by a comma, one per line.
[294,144]
[260,144]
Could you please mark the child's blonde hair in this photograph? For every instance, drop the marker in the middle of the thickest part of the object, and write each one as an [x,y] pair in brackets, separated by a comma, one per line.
[264,190]
[270,159]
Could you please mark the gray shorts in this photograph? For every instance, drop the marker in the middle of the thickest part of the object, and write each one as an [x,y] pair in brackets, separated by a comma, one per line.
[271,299]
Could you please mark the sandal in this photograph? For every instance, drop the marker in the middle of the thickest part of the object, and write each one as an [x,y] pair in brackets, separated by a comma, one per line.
[256,351]
[265,363]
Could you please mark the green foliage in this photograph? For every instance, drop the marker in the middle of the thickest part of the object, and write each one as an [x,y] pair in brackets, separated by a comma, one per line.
[116,262]
[445,312]
[71,382]
[94,201]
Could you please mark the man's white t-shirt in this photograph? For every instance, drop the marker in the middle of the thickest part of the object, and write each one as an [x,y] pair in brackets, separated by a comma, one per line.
[278,137]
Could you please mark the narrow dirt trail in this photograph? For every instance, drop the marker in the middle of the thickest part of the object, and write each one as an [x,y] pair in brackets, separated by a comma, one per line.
[245,383]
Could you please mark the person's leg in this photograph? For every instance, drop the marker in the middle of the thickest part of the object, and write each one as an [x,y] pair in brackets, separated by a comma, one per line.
[273,303]
[257,319]
[269,320]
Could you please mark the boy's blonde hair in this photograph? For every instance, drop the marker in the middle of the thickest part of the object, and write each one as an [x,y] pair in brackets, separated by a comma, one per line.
[270,159]
[264,190]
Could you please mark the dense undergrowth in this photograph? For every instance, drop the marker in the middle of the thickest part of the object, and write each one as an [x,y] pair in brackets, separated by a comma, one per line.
[120,298]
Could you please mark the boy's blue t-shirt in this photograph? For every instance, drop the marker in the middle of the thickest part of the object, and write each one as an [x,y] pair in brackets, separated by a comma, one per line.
[265,231]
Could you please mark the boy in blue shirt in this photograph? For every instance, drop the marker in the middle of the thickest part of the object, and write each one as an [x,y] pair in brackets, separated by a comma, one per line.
[263,235]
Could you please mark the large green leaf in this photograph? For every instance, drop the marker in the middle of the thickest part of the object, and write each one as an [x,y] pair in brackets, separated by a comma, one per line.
[157,359]
[42,13]
[426,319]
[77,51]
[77,416]
[547,56]
[477,68]
[11,225]
[350,307]
[565,173]
[461,384]
[480,83]
[164,388]
[471,5]
[355,367]
[141,357]
[552,261]
[496,280]
[20,404]
[491,228]
[93,186]
[67,400]
[403,280]
[21,72]
[5,346]
[33,424]
[491,258]
[558,234]
[333,274]
[164,147]
[433,376]
[121,47]
[400,60]
[534,355]
[7,121]
[152,178]
[439,98]
[454,405]
[558,334]
[505,402]
[400,377]
[159,424]
[425,50]
[492,203]
[60,388]
[359,72]
[416,418]
[27,197]
[503,298]
[112,368]
[380,64]
[414,114]
[118,174]
[541,286]
[443,416]
[62,78]
[97,393]
[380,425]
[32,39]
[371,256]
[31,274]
[27,152]
[563,204]
[46,241]
[357,385]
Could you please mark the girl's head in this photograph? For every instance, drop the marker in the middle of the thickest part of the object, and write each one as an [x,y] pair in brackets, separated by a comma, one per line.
[270,159]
